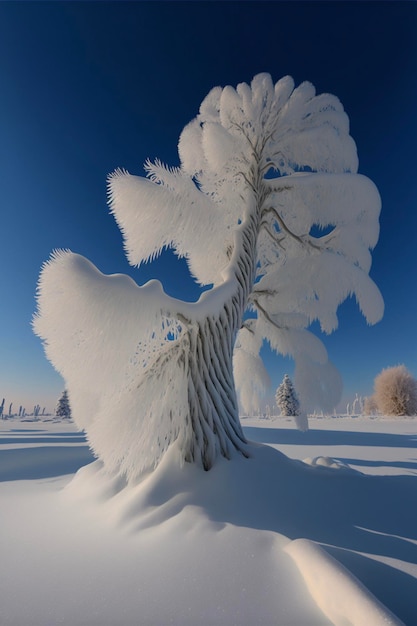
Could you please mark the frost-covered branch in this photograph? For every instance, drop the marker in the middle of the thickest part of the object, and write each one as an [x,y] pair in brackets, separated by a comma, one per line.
[302,240]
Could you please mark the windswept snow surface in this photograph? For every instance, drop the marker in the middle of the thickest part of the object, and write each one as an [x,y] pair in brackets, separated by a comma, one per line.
[261,541]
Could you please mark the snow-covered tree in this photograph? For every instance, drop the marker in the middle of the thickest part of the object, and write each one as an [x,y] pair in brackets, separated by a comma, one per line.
[63,408]
[286,398]
[288,403]
[268,210]
[396,391]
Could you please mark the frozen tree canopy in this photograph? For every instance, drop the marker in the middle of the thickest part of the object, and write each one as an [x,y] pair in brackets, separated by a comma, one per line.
[267,208]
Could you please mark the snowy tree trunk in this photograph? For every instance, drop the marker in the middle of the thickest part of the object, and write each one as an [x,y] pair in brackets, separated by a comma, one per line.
[214,427]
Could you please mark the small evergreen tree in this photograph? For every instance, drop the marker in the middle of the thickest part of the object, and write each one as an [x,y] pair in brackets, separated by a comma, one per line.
[289,405]
[286,398]
[63,408]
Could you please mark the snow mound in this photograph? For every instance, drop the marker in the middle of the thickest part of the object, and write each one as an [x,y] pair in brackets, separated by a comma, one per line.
[185,506]
[341,597]
[329,463]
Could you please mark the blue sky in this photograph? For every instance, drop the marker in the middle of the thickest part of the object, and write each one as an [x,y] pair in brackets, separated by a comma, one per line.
[88,87]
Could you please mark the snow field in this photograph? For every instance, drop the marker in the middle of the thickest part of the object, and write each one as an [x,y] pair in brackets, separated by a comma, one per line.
[247,543]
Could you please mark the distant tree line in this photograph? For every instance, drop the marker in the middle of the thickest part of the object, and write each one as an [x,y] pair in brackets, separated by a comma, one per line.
[395,394]
[36,412]
[63,409]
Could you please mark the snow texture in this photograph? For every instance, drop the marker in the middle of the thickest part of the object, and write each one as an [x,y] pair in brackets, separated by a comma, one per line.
[101,349]
[263,168]
[267,540]
[349,602]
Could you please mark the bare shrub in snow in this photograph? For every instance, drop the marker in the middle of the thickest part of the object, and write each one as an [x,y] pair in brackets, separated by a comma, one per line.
[396,391]
[263,168]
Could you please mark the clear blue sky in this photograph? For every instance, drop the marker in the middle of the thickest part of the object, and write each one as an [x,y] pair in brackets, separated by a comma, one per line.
[88,86]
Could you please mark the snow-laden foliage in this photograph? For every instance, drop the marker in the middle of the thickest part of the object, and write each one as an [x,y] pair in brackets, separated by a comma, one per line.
[267,208]
[111,341]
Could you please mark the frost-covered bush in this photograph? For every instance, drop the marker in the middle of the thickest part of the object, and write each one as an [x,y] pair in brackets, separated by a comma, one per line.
[396,391]
[268,210]
[370,406]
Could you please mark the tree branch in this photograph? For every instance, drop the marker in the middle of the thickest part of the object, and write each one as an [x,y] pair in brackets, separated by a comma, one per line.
[265,292]
[246,326]
[264,224]
[265,314]
[248,182]
[303,240]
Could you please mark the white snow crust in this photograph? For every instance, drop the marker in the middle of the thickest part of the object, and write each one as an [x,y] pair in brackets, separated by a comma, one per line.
[337,592]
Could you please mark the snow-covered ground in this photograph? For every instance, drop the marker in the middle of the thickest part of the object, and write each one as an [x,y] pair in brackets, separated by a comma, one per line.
[261,541]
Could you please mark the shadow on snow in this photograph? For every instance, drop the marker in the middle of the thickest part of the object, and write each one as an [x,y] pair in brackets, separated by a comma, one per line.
[42,462]
[328,437]
[346,512]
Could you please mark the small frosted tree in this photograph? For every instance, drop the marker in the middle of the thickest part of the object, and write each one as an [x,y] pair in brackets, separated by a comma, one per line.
[63,408]
[396,391]
[370,406]
[286,398]
[268,210]
[289,404]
